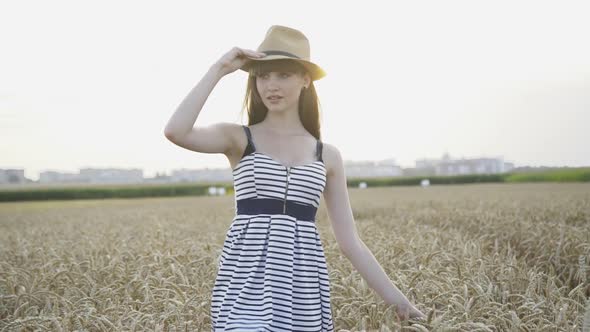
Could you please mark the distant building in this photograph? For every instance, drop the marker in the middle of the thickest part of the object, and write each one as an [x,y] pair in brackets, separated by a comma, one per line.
[12,176]
[471,166]
[448,166]
[369,169]
[94,175]
[59,177]
[115,175]
[111,175]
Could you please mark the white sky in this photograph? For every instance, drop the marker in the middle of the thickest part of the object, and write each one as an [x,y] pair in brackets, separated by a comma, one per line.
[93,84]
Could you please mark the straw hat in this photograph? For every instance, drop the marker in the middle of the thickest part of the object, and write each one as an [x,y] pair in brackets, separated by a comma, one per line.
[282,42]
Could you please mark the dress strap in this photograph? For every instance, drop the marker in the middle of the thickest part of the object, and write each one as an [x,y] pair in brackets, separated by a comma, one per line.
[319,150]
[250,147]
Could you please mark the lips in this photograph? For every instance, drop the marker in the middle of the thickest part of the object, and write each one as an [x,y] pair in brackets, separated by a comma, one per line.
[274,97]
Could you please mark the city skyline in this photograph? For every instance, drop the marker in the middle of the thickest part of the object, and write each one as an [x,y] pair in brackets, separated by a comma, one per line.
[444,166]
[389,161]
[93,85]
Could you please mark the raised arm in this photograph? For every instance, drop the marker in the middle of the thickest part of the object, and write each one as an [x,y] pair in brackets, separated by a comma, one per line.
[349,242]
[215,138]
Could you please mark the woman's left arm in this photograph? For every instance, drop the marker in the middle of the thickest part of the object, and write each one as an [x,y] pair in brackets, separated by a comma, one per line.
[349,242]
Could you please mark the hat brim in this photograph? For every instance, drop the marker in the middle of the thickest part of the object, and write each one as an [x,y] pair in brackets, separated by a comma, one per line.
[315,71]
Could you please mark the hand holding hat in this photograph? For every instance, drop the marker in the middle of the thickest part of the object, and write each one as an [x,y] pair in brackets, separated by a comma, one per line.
[235,59]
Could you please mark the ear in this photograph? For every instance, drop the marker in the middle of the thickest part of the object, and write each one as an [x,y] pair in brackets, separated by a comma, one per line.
[307,80]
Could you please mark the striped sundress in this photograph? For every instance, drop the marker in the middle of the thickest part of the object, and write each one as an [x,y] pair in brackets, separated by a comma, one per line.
[272,273]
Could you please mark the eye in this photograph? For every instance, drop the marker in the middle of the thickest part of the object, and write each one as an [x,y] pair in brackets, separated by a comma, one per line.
[263,75]
[285,75]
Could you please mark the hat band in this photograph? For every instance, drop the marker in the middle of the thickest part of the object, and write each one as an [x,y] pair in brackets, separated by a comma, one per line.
[273,52]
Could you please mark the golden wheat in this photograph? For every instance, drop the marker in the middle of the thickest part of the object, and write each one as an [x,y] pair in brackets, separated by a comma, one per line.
[489,257]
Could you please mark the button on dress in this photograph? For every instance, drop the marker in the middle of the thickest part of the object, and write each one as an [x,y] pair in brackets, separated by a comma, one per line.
[272,273]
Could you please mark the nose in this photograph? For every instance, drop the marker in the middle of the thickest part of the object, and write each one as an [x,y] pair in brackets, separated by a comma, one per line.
[272,85]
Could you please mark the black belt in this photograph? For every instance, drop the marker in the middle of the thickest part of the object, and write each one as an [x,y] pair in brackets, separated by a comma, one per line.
[276,206]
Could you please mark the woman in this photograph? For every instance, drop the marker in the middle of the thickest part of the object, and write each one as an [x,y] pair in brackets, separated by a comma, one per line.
[272,270]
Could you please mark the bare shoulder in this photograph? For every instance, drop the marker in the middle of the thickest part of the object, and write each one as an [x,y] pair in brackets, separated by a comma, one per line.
[332,158]
[232,133]
[219,137]
[229,127]
[234,129]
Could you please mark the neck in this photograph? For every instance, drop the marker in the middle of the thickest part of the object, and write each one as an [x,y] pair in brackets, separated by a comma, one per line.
[285,122]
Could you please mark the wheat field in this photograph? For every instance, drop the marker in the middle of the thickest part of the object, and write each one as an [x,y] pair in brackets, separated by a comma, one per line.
[481,257]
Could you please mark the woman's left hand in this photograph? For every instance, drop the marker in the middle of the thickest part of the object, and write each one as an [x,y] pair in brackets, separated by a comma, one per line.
[408,311]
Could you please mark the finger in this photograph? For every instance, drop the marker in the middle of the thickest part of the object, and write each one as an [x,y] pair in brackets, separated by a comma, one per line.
[402,316]
[419,316]
[242,52]
[256,52]
[251,53]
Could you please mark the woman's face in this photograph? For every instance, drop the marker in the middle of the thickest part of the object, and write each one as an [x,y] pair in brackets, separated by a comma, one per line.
[280,90]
